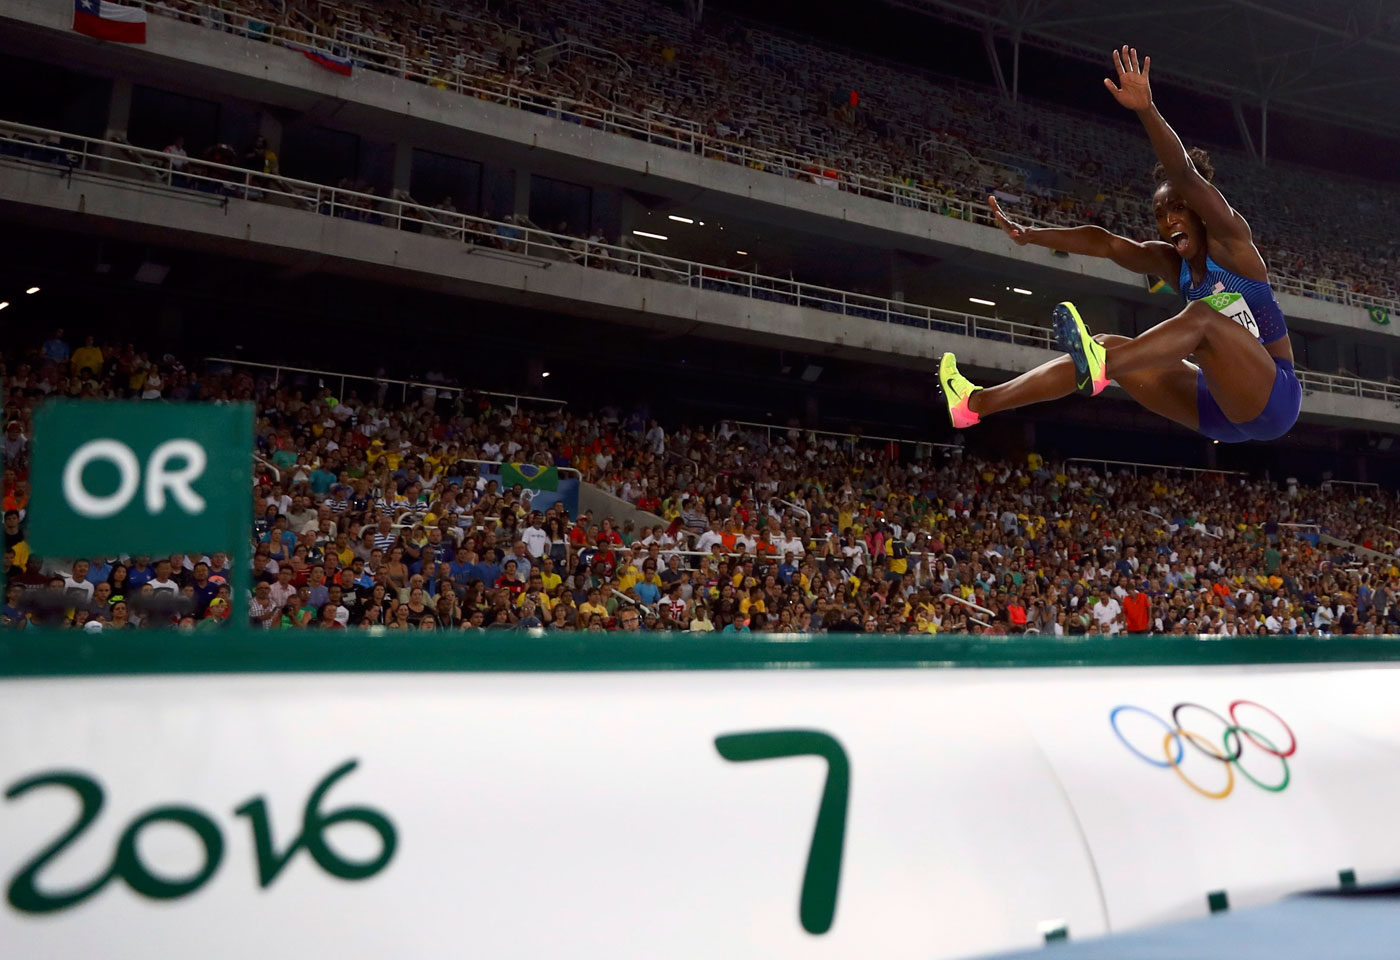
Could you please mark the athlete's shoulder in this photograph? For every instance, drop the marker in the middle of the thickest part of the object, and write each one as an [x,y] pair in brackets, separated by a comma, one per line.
[1242,258]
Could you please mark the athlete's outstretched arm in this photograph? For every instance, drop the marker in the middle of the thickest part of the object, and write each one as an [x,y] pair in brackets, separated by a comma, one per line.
[1134,91]
[1153,256]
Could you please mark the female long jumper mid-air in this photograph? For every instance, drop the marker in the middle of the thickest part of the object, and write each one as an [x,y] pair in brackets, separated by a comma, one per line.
[1242,385]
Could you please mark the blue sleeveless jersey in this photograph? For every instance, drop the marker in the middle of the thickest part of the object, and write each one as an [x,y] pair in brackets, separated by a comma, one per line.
[1256,309]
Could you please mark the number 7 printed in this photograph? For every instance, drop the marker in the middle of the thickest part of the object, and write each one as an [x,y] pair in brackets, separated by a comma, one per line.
[823,874]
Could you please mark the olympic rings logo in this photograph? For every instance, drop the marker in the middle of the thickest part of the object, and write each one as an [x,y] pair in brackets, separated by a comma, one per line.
[1228,753]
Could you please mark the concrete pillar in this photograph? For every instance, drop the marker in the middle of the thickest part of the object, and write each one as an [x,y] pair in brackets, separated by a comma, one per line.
[607,211]
[403,166]
[900,269]
[1323,354]
[497,191]
[119,109]
[631,216]
[171,321]
[522,193]
[270,129]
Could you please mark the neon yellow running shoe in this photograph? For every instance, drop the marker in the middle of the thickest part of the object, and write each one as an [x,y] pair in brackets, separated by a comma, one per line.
[1089,356]
[957,391]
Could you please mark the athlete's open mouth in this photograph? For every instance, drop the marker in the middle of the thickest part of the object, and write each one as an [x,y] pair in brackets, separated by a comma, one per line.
[1179,240]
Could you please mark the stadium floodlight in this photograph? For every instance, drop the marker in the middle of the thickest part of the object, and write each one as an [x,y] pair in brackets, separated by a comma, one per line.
[742,253]
[4,304]
[653,236]
[32,290]
[544,373]
[985,303]
[679,219]
[1021,290]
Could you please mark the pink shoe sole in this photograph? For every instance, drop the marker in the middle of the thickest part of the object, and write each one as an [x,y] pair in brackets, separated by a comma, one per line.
[963,415]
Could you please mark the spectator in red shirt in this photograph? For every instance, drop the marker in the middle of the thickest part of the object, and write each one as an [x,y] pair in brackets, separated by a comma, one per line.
[1135,610]
[1016,613]
[510,579]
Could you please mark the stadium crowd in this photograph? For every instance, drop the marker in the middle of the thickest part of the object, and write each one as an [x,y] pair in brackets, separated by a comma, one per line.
[801,108]
[372,512]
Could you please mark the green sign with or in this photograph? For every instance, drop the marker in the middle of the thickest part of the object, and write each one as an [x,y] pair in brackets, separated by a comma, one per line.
[127,477]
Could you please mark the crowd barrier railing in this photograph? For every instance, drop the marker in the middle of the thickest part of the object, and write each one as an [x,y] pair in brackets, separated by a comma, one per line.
[563,471]
[1135,466]
[279,370]
[848,437]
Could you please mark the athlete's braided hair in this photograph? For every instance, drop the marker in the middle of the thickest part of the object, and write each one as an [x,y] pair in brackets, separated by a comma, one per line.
[1198,156]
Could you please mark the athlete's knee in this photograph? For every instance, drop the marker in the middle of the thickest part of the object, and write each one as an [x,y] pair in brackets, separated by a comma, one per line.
[1200,313]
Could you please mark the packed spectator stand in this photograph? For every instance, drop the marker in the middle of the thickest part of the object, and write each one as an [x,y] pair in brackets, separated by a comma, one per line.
[798,108]
[372,510]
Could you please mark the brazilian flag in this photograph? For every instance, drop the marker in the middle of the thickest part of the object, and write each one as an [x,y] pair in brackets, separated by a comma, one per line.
[530,475]
[1379,315]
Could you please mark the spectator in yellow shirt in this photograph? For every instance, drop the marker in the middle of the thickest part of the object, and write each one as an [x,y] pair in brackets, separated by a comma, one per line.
[548,577]
[88,357]
[752,602]
[898,555]
[593,606]
[534,592]
[627,573]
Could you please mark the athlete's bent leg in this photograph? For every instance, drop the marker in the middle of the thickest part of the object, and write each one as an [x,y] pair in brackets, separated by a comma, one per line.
[1168,391]
[1239,371]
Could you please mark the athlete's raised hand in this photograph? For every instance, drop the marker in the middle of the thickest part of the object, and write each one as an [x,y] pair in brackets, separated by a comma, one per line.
[1022,235]
[1133,90]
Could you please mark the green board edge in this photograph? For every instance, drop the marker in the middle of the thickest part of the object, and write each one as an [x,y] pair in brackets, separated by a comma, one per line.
[58,653]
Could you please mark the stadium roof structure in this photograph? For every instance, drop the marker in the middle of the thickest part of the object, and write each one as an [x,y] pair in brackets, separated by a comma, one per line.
[1336,60]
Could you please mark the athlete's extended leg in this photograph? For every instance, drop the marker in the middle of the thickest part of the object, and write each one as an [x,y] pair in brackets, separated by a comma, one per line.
[1239,371]
[1049,381]
[1168,390]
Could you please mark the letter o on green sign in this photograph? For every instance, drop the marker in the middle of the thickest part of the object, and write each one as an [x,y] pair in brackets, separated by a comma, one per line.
[114,452]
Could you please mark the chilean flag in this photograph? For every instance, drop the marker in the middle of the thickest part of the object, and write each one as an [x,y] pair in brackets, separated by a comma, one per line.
[109,21]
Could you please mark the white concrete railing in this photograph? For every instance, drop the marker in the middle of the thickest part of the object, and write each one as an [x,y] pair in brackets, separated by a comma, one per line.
[205,181]
[377,55]
[202,180]
[1314,382]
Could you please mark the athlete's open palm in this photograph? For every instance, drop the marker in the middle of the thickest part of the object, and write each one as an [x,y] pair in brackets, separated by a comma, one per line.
[1013,229]
[1133,90]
